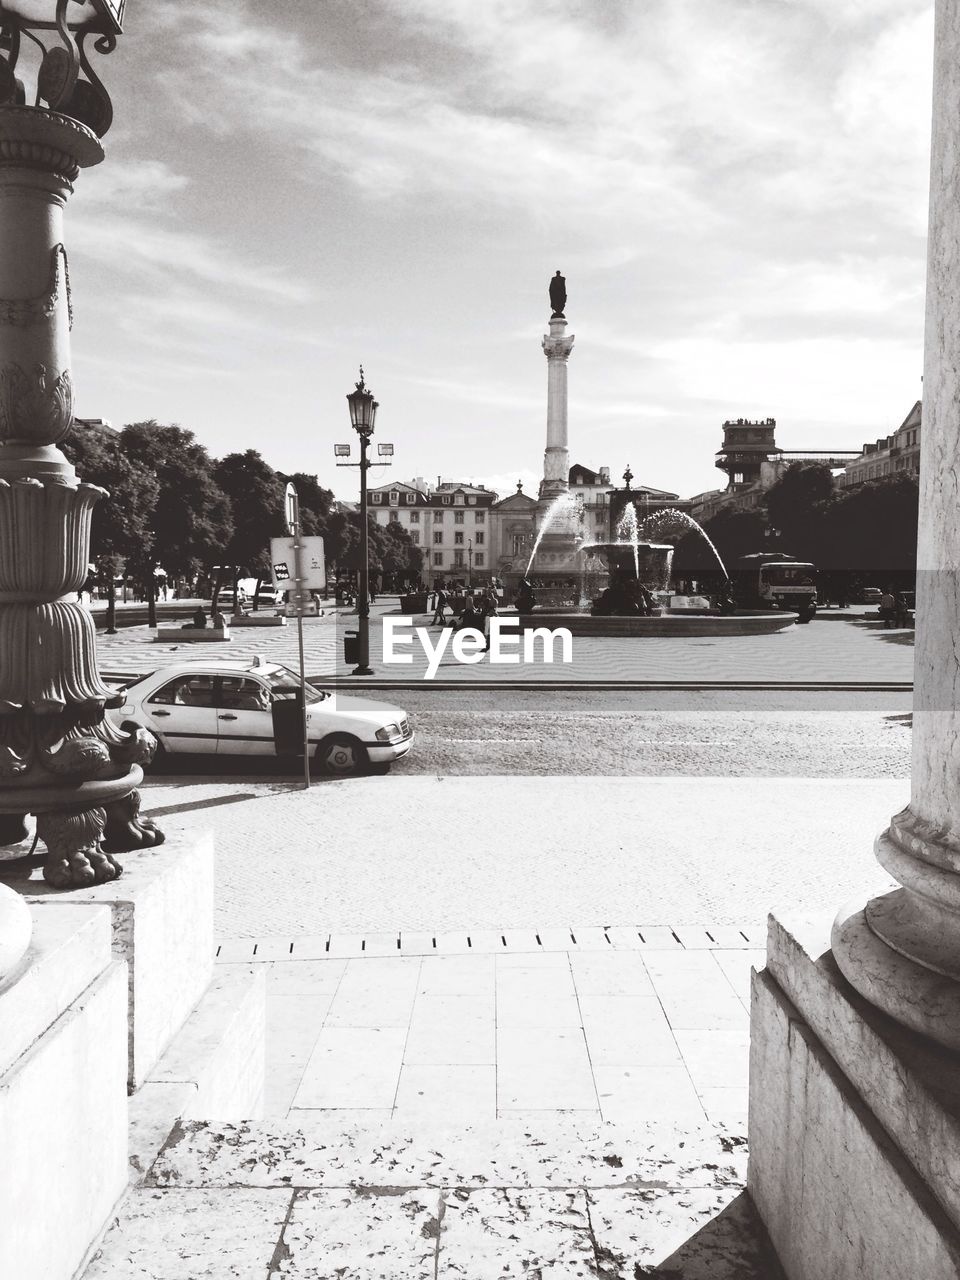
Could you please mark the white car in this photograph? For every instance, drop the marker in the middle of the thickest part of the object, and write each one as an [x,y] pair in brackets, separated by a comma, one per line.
[240,708]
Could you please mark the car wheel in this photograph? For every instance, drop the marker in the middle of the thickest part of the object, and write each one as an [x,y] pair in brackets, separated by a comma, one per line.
[340,754]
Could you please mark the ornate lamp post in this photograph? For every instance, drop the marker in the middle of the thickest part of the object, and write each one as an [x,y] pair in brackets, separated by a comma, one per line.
[363,415]
[60,759]
[470,563]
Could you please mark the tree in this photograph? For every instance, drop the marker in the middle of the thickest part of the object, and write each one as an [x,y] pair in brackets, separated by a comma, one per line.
[793,507]
[121,524]
[734,534]
[871,532]
[256,495]
[192,521]
[316,503]
[399,558]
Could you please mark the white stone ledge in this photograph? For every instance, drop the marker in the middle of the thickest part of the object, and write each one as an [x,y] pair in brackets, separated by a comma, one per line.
[162,925]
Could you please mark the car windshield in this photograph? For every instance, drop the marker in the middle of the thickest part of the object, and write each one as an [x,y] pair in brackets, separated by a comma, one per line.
[793,575]
[284,684]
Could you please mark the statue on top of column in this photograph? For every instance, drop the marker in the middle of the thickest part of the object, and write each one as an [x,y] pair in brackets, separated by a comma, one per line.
[558,296]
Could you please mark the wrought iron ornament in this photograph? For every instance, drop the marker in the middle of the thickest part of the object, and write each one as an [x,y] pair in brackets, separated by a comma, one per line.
[66,81]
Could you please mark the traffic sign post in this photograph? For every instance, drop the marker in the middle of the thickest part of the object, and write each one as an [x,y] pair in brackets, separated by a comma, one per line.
[293,524]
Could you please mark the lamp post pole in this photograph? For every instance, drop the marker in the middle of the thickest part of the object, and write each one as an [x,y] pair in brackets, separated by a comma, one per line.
[363,610]
[300,597]
[363,415]
[470,563]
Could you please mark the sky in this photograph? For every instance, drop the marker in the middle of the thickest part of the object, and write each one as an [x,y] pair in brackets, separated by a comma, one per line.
[735,191]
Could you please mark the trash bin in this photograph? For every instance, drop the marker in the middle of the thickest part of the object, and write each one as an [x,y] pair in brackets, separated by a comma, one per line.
[351,646]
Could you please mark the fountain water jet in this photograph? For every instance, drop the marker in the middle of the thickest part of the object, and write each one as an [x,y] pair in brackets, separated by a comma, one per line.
[663,524]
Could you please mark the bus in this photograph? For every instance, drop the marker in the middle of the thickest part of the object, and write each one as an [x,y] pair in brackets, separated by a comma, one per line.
[772,580]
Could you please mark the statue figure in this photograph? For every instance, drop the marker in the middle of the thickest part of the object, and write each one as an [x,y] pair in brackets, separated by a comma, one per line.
[558,296]
[526,600]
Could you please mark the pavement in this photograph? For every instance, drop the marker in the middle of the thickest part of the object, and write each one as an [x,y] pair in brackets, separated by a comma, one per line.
[850,649]
[508,1013]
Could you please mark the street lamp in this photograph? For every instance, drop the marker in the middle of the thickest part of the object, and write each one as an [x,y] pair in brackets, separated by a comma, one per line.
[363,415]
[58,79]
[470,562]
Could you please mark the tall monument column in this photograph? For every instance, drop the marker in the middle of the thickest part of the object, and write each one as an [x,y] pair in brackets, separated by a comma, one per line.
[902,950]
[557,348]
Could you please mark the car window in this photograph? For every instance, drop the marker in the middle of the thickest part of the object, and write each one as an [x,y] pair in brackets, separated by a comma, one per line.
[186,691]
[284,684]
[242,695]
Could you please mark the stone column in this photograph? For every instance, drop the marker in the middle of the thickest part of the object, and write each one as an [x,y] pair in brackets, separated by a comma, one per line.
[556,459]
[59,757]
[902,950]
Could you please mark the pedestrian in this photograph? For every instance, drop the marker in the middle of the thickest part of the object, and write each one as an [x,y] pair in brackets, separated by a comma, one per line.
[487,610]
[888,609]
[441,604]
[217,619]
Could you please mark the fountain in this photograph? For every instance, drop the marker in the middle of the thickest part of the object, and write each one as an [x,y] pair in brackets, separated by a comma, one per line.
[625,582]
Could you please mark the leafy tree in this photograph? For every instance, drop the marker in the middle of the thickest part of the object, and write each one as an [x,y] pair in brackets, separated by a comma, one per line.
[316,503]
[792,505]
[733,533]
[192,521]
[870,532]
[399,558]
[256,495]
[121,524]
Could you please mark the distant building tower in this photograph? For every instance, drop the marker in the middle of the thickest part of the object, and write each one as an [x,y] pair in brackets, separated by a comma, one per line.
[746,446]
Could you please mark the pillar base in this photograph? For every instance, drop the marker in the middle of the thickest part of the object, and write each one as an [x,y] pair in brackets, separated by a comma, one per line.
[854,1122]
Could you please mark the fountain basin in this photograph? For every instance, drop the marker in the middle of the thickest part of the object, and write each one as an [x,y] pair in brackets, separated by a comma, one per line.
[680,624]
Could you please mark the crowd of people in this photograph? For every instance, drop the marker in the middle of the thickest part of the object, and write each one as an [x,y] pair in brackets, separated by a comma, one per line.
[467,609]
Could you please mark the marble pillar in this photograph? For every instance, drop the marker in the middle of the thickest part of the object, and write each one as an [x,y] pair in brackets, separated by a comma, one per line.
[902,950]
[60,757]
[556,458]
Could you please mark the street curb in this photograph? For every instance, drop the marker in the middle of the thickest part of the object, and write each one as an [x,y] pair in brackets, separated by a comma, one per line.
[583,686]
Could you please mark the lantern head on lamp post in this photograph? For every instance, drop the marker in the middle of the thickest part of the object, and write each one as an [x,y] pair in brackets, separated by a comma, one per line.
[363,408]
[65,81]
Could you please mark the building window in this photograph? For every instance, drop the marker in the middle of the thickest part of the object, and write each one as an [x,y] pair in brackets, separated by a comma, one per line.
[438,557]
[410,499]
[458,539]
[458,499]
[438,538]
[415,537]
[478,560]
[458,517]
[394,517]
[601,518]
[376,498]
[478,539]
[479,517]
[458,559]
[394,497]
[472,500]
[414,517]
[445,500]
[438,517]
[517,541]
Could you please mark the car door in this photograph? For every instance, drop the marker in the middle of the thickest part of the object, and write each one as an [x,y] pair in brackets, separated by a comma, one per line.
[182,713]
[244,719]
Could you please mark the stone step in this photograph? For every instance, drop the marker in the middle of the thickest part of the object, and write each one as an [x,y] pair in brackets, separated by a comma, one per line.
[412,1202]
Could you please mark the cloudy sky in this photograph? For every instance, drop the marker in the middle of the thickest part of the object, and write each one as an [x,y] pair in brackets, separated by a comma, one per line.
[735,191]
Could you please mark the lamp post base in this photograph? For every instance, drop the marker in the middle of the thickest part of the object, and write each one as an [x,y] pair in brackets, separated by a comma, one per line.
[362,671]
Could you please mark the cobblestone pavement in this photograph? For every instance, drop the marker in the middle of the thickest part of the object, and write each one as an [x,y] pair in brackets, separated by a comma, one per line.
[830,649]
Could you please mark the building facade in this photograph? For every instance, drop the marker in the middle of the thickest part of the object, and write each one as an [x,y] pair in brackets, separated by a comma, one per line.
[891,455]
[450,523]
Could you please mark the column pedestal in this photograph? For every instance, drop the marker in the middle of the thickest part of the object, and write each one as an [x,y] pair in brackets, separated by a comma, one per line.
[854,1125]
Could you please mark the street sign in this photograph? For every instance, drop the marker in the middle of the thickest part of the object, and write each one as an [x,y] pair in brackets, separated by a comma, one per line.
[282,553]
[280,572]
[292,503]
[308,609]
